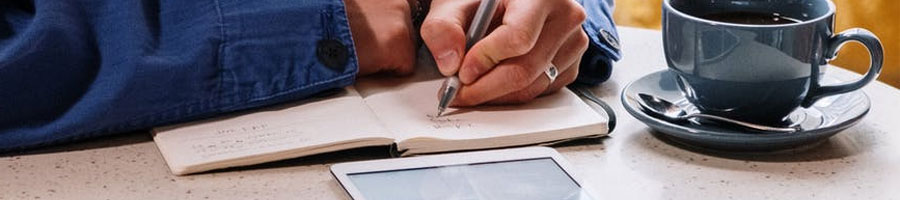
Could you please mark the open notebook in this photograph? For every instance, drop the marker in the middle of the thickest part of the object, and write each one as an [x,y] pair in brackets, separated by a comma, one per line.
[374,112]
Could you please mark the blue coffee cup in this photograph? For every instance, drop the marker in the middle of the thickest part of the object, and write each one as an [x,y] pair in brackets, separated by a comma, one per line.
[753,71]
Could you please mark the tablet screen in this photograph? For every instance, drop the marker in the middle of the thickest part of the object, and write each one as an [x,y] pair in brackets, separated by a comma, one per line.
[539,178]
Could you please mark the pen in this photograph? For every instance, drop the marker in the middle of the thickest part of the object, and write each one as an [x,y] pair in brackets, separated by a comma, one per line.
[477,29]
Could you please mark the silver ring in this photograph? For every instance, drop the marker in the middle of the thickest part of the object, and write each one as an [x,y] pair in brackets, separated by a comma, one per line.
[552,72]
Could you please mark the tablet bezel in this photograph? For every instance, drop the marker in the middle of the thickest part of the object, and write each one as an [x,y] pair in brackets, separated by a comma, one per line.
[342,171]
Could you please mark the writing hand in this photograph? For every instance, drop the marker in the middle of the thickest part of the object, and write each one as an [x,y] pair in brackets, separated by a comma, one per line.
[508,65]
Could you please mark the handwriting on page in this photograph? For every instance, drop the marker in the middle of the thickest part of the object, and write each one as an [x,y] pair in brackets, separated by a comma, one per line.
[244,138]
[447,122]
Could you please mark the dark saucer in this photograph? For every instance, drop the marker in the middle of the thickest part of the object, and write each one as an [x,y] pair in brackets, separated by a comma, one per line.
[827,117]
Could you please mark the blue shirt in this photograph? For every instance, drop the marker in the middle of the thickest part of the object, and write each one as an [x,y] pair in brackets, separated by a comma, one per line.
[77,69]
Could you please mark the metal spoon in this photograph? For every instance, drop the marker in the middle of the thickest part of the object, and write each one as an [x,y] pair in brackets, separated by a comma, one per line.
[671,112]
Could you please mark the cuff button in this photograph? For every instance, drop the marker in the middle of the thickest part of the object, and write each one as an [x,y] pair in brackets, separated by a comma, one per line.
[610,40]
[333,54]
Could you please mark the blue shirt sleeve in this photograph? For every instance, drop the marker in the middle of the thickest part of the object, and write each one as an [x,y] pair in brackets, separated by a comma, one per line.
[604,49]
[77,69]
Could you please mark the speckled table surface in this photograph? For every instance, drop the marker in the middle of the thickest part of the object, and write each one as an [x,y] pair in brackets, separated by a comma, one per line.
[862,162]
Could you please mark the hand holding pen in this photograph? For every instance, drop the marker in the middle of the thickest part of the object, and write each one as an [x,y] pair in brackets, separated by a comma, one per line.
[480,23]
[534,48]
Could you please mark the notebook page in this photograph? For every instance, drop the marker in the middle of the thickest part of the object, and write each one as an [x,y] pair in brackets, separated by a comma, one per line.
[271,131]
[407,109]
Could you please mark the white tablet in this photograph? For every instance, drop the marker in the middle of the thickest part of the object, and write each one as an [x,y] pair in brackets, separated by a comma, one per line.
[523,173]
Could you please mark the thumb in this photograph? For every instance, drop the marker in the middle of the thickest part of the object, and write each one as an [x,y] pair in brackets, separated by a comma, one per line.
[442,31]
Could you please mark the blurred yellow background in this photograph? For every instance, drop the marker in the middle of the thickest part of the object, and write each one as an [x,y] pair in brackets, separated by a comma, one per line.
[879,16]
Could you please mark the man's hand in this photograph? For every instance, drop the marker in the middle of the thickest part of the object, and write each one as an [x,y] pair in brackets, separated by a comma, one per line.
[383,35]
[508,65]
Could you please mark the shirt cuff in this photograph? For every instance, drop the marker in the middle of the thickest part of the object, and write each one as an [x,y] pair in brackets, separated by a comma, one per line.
[604,47]
[276,50]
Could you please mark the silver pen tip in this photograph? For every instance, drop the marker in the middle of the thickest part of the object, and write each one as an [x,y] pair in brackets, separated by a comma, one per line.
[440,112]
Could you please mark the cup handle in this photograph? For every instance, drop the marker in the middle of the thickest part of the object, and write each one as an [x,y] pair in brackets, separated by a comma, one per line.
[876,54]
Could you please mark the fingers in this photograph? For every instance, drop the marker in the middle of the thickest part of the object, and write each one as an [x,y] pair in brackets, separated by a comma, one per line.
[564,78]
[532,91]
[525,23]
[569,56]
[538,88]
[504,79]
[517,76]
[517,35]
[443,33]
